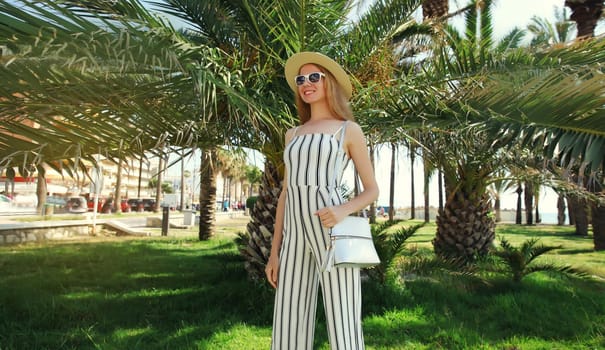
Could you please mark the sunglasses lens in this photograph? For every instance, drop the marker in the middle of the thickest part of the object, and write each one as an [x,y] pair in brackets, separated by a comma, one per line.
[314,77]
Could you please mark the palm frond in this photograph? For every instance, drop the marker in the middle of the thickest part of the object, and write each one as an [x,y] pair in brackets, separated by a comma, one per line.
[520,261]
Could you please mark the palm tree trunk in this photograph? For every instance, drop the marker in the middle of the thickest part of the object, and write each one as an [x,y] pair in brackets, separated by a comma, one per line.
[497,209]
[117,203]
[529,203]
[465,228]
[427,212]
[256,247]
[207,194]
[537,210]
[440,189]
[158,185]
[570,210]
[518,216]
[183,180]
[561,210]
[579,207]
[434,8]
[224,190]
[598,226]
[597,212]
[140,177]
[41,190]
[586,14]
[392,183]
[412,180]
[10,176]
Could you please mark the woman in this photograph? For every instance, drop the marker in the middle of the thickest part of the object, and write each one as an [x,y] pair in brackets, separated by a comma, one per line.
[309,205]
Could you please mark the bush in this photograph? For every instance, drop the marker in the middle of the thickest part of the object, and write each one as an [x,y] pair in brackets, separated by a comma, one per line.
[250,202]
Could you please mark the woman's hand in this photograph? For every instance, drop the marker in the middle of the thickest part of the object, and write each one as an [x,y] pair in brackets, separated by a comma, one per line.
[272,270]
[330,216]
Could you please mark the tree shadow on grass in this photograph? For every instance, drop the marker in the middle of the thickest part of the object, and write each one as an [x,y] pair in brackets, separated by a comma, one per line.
[141,294]
[439,316]
[179,294]
[574,251]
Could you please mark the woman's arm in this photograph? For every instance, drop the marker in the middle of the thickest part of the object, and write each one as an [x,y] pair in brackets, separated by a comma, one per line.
[355,146]
[272,268]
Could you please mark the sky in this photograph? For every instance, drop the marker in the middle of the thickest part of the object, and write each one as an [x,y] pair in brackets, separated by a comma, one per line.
[508,14]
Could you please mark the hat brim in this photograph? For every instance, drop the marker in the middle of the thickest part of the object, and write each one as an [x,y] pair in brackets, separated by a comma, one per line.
[298,60]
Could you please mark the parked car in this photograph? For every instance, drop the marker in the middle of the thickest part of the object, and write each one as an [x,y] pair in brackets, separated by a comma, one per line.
[57,201]
[135,204]
[141,204]
[76,204]
[108,206]
[100,203]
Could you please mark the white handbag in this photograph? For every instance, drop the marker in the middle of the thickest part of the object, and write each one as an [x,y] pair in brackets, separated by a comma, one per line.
[351,243]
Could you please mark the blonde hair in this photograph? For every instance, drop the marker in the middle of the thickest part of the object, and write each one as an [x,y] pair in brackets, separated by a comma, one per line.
[338,104]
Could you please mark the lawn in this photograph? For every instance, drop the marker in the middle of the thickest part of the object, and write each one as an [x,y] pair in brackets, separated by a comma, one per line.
[179,293]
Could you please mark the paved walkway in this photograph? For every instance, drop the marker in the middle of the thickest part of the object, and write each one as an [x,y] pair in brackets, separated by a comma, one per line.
[135,225]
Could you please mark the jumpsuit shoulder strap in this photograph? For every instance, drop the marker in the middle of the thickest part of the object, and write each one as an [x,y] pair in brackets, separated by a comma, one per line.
[295,130]
[342,126]
[341,137]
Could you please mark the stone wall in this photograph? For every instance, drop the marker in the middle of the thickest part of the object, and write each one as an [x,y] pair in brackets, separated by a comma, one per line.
[42,231]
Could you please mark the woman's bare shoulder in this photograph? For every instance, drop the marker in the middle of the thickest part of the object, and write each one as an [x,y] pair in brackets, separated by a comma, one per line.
[354,129]
[290,134]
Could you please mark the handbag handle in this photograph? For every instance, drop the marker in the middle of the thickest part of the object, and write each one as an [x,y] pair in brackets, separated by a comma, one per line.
[338,167]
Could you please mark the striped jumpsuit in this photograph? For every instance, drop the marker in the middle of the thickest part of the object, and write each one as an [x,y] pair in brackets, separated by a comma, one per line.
[310,162]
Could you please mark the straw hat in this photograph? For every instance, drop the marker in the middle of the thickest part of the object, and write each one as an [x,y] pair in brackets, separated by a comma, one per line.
[298,60]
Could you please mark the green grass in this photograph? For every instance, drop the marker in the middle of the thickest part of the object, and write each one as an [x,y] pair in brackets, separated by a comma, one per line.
[576,250]
[179,293]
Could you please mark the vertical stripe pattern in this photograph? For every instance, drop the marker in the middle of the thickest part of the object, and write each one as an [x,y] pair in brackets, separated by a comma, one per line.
[310,161]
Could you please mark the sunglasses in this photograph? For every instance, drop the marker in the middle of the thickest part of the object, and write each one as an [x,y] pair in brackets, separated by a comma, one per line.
[312,77]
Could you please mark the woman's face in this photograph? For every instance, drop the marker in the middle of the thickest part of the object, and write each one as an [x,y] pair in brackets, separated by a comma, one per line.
[311,92]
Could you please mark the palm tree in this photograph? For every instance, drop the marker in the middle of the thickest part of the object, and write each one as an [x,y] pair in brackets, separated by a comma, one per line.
[118,191]
[182,180]
[598,219]
[391,212]
[578,205]
[253,175]
[464,227]
[483,100]
[228,77]
[209,72]
[434,9]
[412,154]
[529,202]
[429,170]
[518,211]
[243,31]
[586,14]
[520,261]
[208,172]
[99,51]
[499,185]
